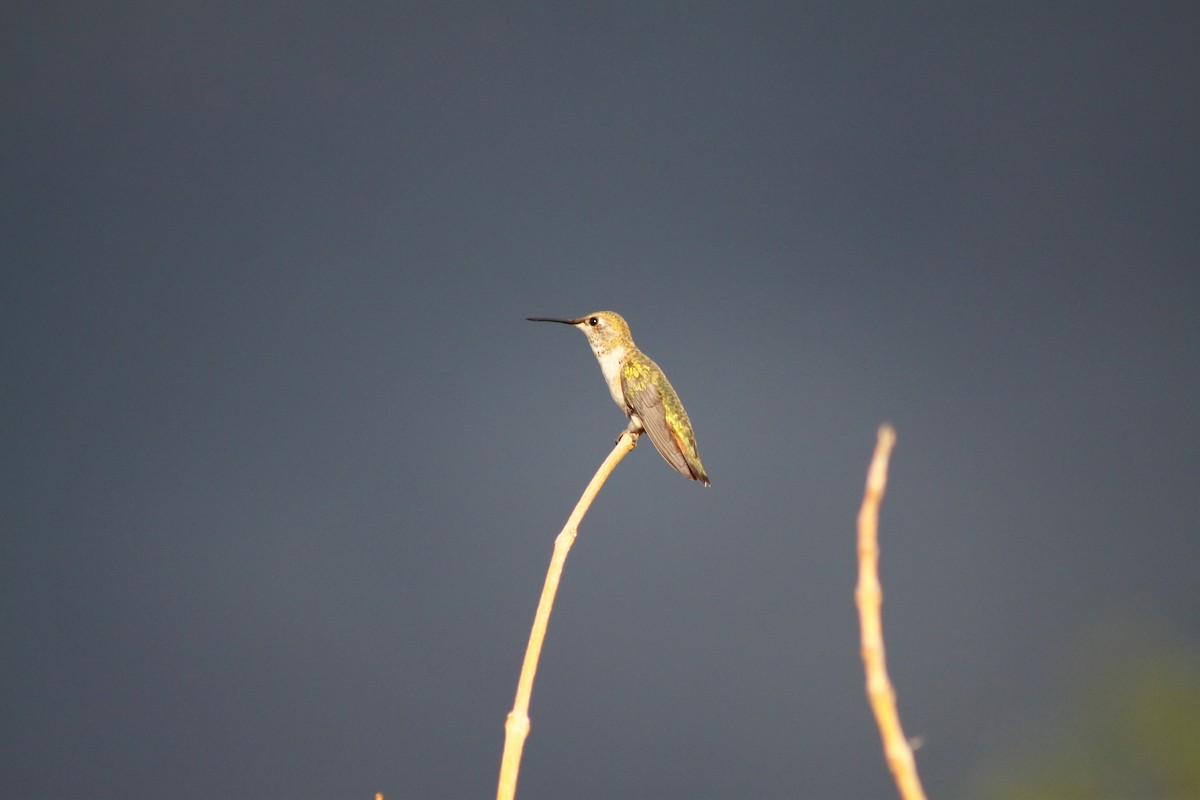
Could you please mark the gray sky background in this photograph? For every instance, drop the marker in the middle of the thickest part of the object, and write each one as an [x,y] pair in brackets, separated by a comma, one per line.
[282,462]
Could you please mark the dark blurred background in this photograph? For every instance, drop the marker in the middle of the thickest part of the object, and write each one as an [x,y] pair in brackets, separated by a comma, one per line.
[282,462]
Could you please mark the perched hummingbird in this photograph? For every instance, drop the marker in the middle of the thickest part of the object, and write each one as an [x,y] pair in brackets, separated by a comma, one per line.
[642,391]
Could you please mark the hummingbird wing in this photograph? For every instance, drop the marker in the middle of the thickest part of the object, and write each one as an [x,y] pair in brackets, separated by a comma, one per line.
[644,399]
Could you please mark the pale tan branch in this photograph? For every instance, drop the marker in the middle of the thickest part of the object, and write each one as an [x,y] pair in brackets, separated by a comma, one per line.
[869,597]
[516,728]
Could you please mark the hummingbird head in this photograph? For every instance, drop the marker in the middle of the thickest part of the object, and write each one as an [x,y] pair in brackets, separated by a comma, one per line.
[604,329]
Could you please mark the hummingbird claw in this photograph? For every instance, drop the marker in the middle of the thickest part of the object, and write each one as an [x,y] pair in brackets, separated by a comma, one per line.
[634,435]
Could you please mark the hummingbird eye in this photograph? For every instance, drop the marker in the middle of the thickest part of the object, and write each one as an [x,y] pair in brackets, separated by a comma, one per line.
[594,321]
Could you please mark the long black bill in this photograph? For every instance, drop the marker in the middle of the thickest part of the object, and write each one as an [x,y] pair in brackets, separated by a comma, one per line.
[552,319]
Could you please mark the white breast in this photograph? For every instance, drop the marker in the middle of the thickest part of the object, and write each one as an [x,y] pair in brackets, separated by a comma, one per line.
[610,365]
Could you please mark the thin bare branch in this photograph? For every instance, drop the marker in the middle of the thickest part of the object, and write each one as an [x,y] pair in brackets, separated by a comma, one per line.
[516,728]
[869,597]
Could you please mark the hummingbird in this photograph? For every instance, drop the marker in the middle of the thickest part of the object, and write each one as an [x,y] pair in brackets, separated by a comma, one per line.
[641,390]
